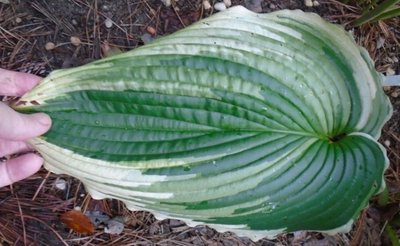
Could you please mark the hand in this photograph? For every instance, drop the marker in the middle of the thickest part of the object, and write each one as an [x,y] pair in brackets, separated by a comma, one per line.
[16,128]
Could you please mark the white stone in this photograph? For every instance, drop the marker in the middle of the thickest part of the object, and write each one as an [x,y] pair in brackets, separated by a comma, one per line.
[60,184]
[390,71]
[108,23]
[114,226]
[75,41]
[308,3]
[166,2]
[227,3]
[206,5]
[49,46]
[380,42]
[315,3]
[387,143]
[220,6]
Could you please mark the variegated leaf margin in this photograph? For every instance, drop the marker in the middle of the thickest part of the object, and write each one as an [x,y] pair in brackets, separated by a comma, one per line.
[256,123]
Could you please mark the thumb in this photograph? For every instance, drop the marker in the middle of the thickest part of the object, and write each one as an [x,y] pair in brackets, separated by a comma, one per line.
[16,126]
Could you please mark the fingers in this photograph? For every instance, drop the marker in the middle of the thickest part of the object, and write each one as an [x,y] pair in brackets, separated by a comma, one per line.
[15,83]
[19,168]
[15,126]
[12,147]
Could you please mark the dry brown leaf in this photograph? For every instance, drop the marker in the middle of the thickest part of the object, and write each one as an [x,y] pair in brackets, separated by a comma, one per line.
[78,222]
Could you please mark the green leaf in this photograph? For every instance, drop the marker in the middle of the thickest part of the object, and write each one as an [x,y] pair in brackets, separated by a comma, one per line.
[391,233]
[391,12]
[383,11]
[255,123]
[383,198]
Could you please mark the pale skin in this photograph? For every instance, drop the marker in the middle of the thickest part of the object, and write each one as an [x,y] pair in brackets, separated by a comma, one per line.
[17,128]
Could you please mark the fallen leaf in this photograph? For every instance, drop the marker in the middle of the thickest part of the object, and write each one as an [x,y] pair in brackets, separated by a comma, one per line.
[78,222]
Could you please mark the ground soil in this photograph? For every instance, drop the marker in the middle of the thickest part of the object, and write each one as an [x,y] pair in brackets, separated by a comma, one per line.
[30,210]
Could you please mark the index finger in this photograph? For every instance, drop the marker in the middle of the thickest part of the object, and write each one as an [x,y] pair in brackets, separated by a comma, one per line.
[16,83]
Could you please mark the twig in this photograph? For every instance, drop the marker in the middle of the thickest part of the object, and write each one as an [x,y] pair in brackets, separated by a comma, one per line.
[176,13]
[93,237]
[40,186]
[334,2]
[383,228]
[12,35]
[49,227]
[55,20]
[357,237]
[22,219]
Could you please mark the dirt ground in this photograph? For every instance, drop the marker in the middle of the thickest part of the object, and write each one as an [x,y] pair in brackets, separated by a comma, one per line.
[35,37]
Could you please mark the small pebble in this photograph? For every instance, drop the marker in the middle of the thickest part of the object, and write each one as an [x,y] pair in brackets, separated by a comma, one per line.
[60,184]
[151,30]
[74,22]
[380,42]
[108,23]
[395,59]
[105,7]
[166,2]
[395,94]
[308,3]
[114,226]
[315,3]
[18,20]
[206,5]
[253,5]
[227,3]
[387,143]
[50,46]
[272,6]
[77,208]
[75,40]
[220,6]
[146,38]
[390,71]
[299,236]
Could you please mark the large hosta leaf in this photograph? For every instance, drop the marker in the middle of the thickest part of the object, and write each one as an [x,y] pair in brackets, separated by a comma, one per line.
[252,123]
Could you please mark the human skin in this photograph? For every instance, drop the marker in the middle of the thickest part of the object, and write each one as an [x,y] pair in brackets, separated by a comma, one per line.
[17,128]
